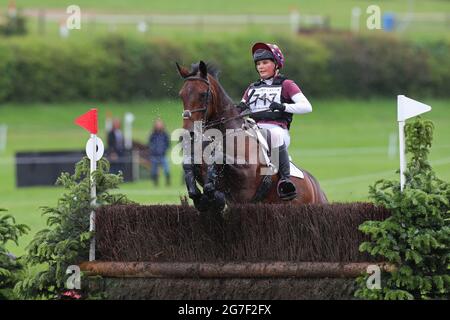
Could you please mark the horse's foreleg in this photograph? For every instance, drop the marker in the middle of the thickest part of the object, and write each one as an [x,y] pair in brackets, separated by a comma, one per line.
[211,180]
[191,184]
[216,198]
[201,201]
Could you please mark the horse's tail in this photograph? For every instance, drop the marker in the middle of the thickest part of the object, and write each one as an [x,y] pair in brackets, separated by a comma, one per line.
[320,195]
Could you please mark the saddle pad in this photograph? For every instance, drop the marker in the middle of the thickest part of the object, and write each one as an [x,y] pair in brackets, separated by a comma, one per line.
[296,172]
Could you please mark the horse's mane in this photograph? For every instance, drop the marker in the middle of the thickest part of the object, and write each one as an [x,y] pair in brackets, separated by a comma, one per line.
[213,70]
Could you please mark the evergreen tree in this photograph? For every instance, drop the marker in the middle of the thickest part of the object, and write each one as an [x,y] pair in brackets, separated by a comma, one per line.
[66,240]
[416,237]
[10,267]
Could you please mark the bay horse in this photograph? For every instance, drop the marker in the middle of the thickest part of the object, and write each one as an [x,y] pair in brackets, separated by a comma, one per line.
[205,101]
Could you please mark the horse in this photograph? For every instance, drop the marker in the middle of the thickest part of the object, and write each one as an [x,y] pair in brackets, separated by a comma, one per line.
[206,102]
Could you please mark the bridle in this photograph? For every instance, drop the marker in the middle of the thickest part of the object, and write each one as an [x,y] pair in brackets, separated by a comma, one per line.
[187,114]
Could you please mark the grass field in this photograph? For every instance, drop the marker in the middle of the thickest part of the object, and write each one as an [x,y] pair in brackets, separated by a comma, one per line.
[343,143]
[338,12]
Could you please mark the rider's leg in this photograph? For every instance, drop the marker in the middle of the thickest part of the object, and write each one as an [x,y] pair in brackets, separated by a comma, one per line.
[286,137]
[280,158]
[286,188]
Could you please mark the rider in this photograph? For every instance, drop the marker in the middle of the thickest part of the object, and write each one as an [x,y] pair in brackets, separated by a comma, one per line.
[281,98]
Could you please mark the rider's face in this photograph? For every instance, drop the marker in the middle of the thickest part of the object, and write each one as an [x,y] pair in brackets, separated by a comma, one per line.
[266,68]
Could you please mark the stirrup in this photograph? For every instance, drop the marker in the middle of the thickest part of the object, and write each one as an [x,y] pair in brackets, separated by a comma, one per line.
[288,194]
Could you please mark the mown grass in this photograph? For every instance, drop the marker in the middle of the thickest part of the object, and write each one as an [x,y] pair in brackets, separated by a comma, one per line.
[339,14]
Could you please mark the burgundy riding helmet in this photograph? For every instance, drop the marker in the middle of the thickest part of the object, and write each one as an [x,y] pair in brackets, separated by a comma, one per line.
[263,51]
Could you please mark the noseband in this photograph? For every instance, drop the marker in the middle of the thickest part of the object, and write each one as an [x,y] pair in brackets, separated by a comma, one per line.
[187,114]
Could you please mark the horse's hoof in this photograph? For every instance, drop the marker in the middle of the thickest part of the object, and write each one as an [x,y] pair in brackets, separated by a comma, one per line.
[202,203]
[219,201]
[209,190]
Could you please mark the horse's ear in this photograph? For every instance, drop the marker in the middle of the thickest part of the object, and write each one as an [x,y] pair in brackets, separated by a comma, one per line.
[182,71]
[203,70]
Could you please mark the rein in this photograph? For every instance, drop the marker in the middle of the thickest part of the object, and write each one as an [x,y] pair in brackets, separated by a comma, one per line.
[187,114]
[225,120]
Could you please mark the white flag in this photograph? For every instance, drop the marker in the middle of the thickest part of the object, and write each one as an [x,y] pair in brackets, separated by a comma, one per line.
[408,108]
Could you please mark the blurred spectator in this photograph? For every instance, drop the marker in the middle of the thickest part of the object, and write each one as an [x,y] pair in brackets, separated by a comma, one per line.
[63,30]
[115,147]
[158,144]
[13,23]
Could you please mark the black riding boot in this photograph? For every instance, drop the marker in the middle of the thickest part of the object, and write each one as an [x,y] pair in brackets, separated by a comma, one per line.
[286,188]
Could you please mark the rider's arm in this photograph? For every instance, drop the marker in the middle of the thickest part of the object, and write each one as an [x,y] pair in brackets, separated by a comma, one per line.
[245,96]
[300,103]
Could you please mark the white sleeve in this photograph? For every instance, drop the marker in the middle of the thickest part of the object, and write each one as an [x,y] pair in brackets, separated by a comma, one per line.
[300,105]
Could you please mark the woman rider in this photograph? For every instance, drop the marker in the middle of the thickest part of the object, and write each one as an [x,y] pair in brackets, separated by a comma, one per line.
[275,98]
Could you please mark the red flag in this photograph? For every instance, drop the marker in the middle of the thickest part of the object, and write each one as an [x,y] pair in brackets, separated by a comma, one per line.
[88,121]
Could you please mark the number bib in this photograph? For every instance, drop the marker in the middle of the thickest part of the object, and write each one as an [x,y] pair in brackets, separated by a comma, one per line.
[264,96]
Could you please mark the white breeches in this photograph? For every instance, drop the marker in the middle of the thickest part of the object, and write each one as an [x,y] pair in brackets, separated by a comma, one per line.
[278,134]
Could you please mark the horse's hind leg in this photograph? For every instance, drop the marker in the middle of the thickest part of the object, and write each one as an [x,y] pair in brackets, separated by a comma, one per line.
[318,194]
[305,191]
